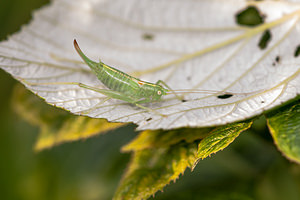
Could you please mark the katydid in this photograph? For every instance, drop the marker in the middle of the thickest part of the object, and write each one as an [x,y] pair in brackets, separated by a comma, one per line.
[123,86]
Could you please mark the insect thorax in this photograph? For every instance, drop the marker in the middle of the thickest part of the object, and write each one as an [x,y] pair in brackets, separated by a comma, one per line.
[153,91]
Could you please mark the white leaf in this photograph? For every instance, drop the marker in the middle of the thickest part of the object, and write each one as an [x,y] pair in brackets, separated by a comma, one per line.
[189,44]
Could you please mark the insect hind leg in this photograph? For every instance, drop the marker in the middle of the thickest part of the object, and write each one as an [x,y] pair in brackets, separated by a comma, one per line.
[87,111]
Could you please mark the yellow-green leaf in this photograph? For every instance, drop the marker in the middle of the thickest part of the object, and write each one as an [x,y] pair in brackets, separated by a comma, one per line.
[284,125]
[220,138]
[151,169]
[57,126]
[160,138]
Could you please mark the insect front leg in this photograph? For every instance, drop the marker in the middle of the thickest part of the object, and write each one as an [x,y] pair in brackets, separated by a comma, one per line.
[160,82]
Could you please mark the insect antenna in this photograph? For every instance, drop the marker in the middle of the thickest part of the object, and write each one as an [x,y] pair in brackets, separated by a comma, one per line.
[216,92]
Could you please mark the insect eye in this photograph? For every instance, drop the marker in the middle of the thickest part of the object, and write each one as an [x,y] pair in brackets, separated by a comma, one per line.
[159,92]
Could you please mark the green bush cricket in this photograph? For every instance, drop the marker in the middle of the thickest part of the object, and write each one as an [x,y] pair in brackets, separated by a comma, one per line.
[124,87]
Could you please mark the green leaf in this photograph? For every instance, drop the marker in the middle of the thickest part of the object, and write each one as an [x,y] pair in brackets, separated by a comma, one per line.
[159,138]
[284,125]
[220,138]
[156,163]
[151,169]
[57,126]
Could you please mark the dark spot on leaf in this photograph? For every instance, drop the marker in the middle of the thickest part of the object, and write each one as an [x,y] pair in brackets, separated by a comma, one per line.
[277,60]
[262,101]
[265,39]
[297,51]
[188,78]
[148,36]
[225,96]
[184,100]
[149,119]
[250,16]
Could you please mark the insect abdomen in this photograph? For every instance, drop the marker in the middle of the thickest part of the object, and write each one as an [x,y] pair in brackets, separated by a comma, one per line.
[117,80]
[113,78]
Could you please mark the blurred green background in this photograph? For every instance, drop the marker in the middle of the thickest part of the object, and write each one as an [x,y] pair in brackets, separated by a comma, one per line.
[250,168]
